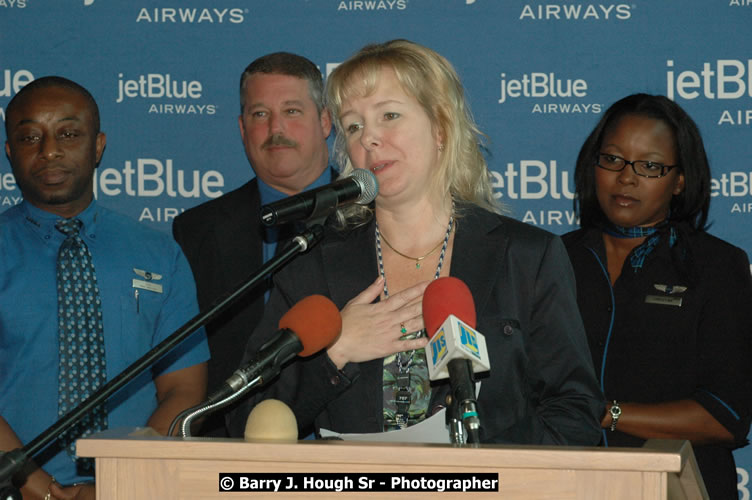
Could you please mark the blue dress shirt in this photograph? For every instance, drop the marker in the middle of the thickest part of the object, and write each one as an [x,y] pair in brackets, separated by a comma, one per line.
[122,250]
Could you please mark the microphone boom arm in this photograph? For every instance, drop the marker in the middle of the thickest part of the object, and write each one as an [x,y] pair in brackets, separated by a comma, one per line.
[265,366]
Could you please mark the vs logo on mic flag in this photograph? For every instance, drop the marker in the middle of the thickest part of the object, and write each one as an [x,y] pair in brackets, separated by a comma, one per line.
[455,339]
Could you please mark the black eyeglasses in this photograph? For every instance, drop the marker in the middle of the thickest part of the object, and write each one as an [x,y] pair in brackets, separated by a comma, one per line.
[642,168]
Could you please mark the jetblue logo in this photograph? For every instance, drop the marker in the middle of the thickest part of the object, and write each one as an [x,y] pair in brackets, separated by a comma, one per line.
[540,85]
[11,82]
[469,341]
[532,180]
[156,85]
[726,79]
[732,185]
[722,80]
[438,347]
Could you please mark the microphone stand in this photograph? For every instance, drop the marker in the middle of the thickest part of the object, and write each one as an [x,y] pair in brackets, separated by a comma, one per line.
[211,405]
[463,398]
[13,461]
[454,424]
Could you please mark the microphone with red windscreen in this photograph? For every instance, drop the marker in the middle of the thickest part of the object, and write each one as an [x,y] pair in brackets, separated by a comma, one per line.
[456,350]
[309,326]
[449,316]
[445,296]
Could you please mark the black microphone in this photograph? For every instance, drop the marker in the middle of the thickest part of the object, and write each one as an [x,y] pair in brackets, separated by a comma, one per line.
[309,326]
[361,187]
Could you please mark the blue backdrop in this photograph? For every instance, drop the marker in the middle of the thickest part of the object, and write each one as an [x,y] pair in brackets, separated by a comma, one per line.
[538,75]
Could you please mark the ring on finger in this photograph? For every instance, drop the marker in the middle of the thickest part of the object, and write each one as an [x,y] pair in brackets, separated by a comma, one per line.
[403,330]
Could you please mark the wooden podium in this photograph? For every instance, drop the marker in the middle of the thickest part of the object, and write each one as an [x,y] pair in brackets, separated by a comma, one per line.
[131,465]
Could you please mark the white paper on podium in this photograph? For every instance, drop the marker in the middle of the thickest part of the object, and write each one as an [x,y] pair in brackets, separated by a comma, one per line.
[431,430]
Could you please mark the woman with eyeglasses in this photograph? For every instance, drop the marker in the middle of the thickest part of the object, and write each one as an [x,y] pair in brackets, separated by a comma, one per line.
[667,307]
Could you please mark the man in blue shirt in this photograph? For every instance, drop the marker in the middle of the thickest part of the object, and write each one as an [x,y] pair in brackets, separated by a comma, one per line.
[144,282]
[284,126]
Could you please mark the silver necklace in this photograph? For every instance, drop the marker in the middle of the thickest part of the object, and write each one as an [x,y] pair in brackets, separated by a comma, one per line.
[402,393]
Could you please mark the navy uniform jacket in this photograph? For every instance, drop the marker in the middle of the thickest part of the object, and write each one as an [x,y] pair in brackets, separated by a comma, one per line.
[541,387]
[665,352]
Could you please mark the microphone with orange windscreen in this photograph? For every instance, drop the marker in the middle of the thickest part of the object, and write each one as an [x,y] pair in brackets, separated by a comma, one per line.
[308,327]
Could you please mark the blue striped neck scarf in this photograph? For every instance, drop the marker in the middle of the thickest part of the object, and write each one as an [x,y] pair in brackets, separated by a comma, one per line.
[651,234]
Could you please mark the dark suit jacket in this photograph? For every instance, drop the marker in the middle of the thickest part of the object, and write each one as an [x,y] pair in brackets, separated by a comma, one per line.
[541,387]
[657,352]
[222,240]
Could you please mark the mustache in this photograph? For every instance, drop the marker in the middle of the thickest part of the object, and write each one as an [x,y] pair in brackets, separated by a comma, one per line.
[279,140]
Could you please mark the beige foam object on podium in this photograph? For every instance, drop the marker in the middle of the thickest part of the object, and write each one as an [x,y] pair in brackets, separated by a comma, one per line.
[271,420]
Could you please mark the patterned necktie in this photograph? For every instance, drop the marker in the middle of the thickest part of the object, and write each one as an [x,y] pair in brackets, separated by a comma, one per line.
[82,355]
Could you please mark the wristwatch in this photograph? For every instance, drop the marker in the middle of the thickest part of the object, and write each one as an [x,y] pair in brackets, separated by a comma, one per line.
[615,412]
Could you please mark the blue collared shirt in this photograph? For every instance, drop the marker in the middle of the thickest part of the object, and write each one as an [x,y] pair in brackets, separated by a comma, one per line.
[122,250]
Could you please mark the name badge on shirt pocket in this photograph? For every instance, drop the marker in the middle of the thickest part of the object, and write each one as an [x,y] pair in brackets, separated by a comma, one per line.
[669,298]
[663,300]
[147,285]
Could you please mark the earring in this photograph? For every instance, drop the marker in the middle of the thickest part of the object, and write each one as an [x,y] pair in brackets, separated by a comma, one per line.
[441,148]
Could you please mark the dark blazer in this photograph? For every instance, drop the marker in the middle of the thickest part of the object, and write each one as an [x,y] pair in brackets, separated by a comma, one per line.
[541,387]
[222,240]
[657,350]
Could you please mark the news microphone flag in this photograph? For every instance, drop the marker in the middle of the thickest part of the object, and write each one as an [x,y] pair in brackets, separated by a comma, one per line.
[455,339]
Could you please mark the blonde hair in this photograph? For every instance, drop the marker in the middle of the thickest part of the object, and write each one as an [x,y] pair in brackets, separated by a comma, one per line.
[430,79]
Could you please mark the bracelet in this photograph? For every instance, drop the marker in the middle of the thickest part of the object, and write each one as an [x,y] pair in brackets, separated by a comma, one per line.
[615,412]
[48,496]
